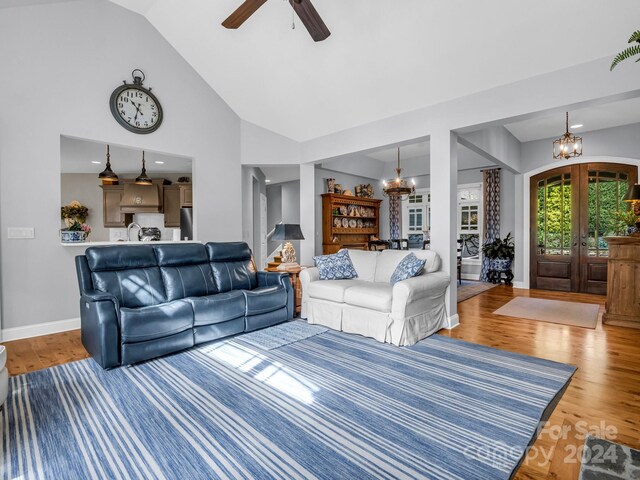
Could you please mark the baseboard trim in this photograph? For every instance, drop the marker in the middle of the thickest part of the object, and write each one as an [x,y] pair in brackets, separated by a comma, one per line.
[39,329]
[519,285]
[452,322]
[470,276]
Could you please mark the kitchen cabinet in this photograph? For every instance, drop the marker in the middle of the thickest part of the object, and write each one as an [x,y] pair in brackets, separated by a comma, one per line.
[186,196]
[175,197]
[112,215]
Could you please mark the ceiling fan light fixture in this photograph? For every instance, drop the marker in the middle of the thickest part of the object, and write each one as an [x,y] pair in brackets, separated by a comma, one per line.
[143,178]
[568,145]
[108,176]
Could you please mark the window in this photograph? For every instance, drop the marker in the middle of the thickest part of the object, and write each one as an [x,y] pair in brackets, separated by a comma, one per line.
[469,218]
[416,218]
[469,225]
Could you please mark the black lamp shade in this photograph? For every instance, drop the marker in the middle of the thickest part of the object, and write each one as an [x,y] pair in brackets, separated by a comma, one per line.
[288,231]
[633,194]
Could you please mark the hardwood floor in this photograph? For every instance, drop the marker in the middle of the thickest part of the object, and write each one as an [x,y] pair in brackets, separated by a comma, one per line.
[604,392]
[35,353]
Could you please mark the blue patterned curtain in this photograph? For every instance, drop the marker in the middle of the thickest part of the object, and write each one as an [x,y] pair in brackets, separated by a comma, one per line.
[394,218]
[491,198]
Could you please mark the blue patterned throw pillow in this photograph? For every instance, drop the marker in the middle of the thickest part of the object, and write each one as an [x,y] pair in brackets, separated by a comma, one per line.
[410,266]
[335,267]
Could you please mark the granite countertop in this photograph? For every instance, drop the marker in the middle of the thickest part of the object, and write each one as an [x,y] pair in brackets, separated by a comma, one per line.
[105,243]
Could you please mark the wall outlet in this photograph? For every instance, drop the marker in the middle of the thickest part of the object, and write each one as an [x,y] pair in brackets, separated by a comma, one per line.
[21,232]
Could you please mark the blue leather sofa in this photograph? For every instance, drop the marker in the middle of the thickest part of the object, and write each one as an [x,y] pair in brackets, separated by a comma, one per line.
[141,302]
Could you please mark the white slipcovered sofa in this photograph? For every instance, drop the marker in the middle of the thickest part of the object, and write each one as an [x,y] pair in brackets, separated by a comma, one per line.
[4,377]
[369,305]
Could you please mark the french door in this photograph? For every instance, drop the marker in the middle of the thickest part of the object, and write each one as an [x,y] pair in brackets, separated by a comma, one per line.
[571,213]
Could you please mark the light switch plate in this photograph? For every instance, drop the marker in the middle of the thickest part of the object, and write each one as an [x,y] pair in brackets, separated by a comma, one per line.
[21,232]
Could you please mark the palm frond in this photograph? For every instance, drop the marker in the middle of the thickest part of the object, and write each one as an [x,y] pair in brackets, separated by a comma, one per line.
[635,37]
[623,55]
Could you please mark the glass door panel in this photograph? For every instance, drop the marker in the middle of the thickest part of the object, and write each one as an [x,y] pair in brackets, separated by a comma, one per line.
[603,185]
[553,222]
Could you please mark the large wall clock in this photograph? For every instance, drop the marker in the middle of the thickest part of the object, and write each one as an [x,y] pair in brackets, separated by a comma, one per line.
[135,107]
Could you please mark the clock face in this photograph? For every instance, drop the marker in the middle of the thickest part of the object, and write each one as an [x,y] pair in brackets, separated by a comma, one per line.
[136,109]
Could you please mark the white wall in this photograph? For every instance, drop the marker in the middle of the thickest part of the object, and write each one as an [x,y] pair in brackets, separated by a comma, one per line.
[613,142]
[260,146]
[60,63]
[249,220]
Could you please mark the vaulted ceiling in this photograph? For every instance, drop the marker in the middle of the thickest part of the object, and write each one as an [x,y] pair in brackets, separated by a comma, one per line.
[384,57]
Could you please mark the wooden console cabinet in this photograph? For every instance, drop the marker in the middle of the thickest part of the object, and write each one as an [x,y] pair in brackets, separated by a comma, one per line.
[623,282]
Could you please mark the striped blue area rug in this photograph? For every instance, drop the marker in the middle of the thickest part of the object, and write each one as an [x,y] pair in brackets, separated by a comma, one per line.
[330,406]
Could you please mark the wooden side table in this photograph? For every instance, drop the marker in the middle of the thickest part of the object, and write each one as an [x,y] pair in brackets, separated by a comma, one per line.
[294,276]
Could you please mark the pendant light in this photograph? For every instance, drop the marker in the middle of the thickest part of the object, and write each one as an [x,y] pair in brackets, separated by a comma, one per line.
[568,145]
[107,176]
[143,178]
[398,187]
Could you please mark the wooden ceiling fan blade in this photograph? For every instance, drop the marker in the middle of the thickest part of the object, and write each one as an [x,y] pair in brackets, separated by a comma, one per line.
[311,19]
[243,12]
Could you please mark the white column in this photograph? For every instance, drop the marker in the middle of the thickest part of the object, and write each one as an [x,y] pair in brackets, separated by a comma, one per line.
[307,213]
[444,221]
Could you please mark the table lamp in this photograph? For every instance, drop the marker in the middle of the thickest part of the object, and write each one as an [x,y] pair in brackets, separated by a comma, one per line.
[288,232]
[633,197]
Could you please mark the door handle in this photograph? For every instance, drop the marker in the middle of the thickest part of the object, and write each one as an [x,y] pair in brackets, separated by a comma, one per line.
[575,244]
[584,244]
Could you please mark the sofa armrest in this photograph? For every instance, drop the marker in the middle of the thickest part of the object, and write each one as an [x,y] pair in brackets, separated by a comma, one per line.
[269,279]
[100,327]
[422,290]
[307,276]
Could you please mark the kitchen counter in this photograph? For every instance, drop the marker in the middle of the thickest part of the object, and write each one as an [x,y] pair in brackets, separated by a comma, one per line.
[101,244]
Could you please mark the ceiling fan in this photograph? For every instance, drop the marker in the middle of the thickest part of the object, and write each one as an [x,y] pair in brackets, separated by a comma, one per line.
[304,8]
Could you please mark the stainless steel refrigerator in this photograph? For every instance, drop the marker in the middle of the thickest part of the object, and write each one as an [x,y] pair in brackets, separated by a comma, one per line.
[186,223]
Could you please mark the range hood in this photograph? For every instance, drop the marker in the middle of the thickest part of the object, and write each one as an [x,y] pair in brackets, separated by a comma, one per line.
[141,199]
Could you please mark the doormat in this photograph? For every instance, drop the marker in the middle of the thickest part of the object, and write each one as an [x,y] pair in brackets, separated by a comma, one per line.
[553,311]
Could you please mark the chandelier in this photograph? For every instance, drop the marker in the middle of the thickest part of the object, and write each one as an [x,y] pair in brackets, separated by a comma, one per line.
[398,187]
[568,145]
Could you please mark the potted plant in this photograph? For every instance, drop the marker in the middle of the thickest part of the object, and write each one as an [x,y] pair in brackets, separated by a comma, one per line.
[74,216]
[500,253]
[628,52]
[623,222]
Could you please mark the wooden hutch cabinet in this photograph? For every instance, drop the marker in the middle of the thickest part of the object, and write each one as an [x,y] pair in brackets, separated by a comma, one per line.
[348,221]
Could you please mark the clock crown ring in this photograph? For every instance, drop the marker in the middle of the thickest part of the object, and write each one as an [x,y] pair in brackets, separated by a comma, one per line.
[137,79]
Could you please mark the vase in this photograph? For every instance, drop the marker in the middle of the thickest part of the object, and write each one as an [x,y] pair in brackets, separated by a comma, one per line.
[72,236]
[500,264]
[331,185]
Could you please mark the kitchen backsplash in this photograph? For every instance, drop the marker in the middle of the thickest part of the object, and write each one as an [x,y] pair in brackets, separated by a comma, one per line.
[144,220]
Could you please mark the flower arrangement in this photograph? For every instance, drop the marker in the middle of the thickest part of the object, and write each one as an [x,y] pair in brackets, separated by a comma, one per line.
[74,212]
[75,215]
